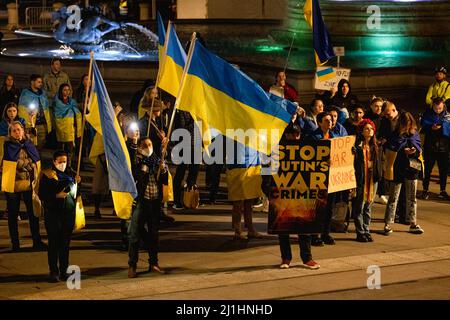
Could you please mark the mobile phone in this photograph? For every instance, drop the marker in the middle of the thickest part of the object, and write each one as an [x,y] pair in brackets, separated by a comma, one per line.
[67,189]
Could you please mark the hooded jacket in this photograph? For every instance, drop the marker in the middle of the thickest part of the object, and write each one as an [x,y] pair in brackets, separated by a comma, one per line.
[347,102]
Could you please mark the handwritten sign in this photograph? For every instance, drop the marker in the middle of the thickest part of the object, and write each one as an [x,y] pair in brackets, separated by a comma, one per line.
[342,171]
[329,77]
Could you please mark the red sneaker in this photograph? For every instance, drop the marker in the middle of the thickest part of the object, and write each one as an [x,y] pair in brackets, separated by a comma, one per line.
[311,264]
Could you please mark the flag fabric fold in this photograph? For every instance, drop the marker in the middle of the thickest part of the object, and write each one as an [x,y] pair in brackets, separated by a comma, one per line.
[161,37]
[222,97]
[104,121]
[173,63]
[321,38]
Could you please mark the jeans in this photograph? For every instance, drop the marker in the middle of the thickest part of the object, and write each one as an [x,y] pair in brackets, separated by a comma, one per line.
[304,242]
[362,212]
[59,226]
[179,176]
[442,161]
[411,202]
[146,212]
[13,205]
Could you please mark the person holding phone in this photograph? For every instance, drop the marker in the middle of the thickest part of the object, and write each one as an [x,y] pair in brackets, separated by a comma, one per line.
[405,142]
[58,191]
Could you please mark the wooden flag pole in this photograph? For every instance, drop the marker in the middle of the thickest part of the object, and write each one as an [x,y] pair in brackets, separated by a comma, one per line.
[177,101]
[158,75]
[80,151]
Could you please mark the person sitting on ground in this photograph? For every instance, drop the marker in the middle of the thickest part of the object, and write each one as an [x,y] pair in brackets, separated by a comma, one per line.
[436,126]
[58,192]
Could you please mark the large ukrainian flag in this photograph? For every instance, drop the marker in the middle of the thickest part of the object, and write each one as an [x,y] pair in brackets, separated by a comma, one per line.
[173,64]
[104,121]
[161,38]
[223,97]
[321,38]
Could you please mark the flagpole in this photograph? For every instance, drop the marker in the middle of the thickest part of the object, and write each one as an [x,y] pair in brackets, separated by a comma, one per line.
[84,113]
[177,101]
[289,54]
[158,75]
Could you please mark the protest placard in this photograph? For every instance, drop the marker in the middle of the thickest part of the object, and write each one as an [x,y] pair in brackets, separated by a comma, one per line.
[298,190]
[329,77]
[342,171]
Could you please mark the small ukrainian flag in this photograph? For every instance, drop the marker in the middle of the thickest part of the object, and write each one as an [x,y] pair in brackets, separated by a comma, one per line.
[326,74]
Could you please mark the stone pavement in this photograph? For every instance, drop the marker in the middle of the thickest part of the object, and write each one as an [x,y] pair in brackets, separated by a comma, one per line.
[203,262]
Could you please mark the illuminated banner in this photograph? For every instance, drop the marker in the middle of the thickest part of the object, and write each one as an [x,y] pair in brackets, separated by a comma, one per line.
[298,191]
[307,172]
[342,172]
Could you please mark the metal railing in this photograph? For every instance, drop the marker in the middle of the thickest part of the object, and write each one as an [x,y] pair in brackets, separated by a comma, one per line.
[38,18]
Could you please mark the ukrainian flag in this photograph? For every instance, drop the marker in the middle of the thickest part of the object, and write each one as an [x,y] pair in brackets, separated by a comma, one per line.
[223,97]
[173,64]
[104,121]
[321,38]
[326,74]
[161,37]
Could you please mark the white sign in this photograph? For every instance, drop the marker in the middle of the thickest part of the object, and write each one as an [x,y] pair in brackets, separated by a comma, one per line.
[329,77]
[339,51]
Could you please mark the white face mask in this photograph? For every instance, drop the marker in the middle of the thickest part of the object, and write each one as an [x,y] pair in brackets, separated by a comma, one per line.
[147,152]
[61,166]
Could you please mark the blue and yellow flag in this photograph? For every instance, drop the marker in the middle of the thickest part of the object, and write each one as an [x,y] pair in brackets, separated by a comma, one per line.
[103,119]
[173,64]
[222,97]
[161,37]
[321,38]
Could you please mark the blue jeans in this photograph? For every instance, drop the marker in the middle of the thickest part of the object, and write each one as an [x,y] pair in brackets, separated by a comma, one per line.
[362,212]
[411,202]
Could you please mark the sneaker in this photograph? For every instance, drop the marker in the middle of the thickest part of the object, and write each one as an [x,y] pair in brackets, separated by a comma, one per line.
[238,236]
[425,195]
[317,242]
[132,272]
[415,229]
[166,218]
[53,278]
[361,238]
[177,207]
[443,195]
[156,268]
[387,230]
[259,203]
[39,246]
[381,200]
[285,264]
[328,240]
[311,264]
[368,237]
[254,235]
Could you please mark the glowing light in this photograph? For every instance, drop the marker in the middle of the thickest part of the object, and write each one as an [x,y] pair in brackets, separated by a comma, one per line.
[268,48]
[133,126]
[23,54]
[32,106]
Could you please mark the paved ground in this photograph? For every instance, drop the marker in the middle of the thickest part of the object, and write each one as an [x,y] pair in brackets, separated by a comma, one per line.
[203,262]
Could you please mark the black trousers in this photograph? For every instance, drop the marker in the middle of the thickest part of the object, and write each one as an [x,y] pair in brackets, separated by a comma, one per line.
[179,176]
[331,201]
[442,160]
[213,172]
[304,242]
[59,226]
[13,205]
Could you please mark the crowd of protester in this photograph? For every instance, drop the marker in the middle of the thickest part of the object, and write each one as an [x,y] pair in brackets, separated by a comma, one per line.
[389,156]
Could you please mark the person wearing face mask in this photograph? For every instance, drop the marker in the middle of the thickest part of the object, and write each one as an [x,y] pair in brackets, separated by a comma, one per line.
[58,192]
[148,208]
[20,169]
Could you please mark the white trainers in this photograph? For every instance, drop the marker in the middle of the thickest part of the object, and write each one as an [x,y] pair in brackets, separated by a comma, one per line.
[381,200]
